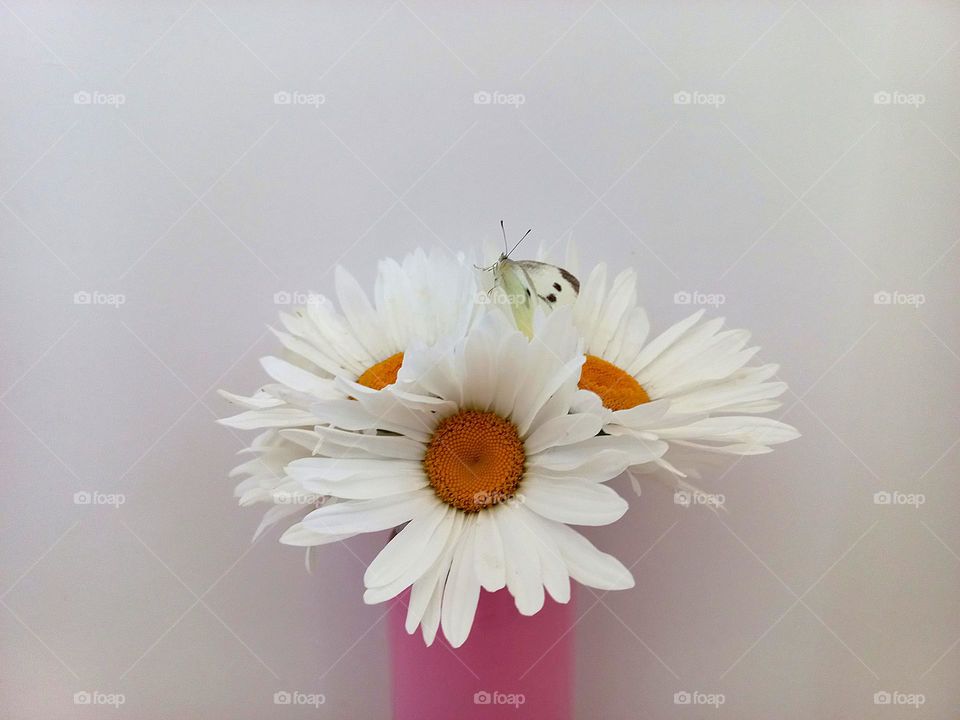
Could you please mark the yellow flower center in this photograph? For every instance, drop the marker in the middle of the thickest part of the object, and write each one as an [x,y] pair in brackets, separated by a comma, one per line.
[617,389]
[382,374]
[474,460]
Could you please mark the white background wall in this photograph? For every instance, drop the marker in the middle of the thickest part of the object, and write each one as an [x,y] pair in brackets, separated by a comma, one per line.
[198,198]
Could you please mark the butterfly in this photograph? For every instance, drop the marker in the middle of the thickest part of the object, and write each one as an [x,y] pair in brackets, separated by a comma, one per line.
[527,283]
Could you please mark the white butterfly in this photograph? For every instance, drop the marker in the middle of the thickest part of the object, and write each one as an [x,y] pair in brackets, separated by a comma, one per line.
[525,283]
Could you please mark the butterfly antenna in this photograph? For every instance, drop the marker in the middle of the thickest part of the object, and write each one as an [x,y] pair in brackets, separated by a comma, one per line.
[519,241]
[503,232]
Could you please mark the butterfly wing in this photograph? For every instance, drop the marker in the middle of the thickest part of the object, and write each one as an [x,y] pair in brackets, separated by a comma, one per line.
[527,282]
[554,285]
[517,285]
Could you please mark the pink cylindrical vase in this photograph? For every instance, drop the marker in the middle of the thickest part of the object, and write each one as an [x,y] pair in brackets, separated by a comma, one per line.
[509,663]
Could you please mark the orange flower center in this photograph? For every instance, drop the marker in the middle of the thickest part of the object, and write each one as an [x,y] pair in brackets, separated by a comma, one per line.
[617,389]
[382,374]
[474,460]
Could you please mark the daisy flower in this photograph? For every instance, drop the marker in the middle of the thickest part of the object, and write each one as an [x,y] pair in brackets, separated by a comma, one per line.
[422,298]
[690,386]
[476,450]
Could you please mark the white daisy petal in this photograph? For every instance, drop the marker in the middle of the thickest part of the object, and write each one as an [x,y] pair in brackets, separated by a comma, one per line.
[462,591]
[573,501]
[586,310]
[424,589]
[348,414]
[727,397]
[553,568]
[622,296]
[297,378]
[522,561]
[363,487]
[604,456]
[510,372]
[332,335]
[302,536]
[686,347]
[481,368]
[433,372]
[271,417]
[359,313]
[256,402]
[661,343]
[306,439]
[586,564]
[531,401]
[491,566]
[309,352]
[401,448]
[336,469]
[357,516]
[745,429]
[562,430]
[409,545]
[642,416]
[274,515]
[430,621]
[292,398]
[600,466]
[636,330]
[422,403]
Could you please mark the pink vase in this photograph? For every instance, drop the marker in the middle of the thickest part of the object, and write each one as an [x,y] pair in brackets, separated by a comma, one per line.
[511,666]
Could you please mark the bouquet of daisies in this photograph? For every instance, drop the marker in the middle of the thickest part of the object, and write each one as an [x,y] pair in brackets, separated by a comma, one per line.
[480,410]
